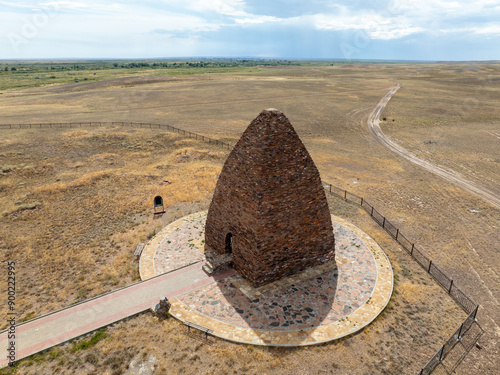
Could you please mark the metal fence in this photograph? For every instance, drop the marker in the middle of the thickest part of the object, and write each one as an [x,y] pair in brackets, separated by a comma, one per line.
[469,332]
[449,356]
[126,124]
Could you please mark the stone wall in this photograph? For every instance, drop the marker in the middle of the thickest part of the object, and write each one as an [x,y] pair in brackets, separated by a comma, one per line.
[270,198]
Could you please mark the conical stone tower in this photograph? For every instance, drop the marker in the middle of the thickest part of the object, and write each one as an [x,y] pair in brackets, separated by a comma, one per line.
[269,215]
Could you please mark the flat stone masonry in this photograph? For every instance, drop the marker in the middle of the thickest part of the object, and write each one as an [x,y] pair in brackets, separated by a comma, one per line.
[269,209]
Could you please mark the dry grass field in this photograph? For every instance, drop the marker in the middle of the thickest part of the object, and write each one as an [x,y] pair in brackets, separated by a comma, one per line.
[76,201]
[450,109]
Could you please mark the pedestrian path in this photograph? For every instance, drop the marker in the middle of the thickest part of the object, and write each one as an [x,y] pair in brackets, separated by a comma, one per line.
[177,245]
[69,323]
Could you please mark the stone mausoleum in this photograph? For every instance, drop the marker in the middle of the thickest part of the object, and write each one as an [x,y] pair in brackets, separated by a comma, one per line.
[269,216]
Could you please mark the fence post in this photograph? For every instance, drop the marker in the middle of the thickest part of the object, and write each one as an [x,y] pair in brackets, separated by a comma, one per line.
[441,354]
[371,214]
[451,285]
[361,201]
[397,233]
[459,337]
[430,264]
[412,246]
[475,312]
[330,188]
[345,194]
[383,223]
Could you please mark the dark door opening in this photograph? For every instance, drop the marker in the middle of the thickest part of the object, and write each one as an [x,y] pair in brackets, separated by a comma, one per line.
[158,201]
[229,243]
[158,205]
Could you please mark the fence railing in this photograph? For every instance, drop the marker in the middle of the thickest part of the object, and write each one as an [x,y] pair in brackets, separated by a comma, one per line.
[445,281]
[464,338]
[126,124]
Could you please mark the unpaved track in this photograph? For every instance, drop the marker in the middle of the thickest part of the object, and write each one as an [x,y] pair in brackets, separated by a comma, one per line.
[482,275]
[374,125]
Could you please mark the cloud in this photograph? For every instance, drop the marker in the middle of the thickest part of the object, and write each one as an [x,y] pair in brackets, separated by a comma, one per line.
[399,19]
[492,30]
[16,5]
[396,33]
[256,20]
[76,29]
[64,4]
[141,25]
[375,26]
[226,7]
[333,22]
[234,10]
[489,30]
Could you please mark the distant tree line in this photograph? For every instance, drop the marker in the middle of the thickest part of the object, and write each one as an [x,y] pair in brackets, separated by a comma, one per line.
[167,64]
[204,64]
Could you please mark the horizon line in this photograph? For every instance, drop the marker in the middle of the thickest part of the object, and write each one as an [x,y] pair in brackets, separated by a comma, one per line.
[48,59]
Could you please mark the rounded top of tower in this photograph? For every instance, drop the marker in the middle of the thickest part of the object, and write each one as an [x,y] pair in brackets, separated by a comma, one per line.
[272,110]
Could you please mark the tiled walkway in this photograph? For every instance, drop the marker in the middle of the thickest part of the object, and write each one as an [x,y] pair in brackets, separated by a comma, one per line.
[318,305]
[77,320]
[177,245]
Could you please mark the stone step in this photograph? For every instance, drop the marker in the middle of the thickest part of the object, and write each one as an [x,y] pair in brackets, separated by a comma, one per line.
[208,269]
[214,265]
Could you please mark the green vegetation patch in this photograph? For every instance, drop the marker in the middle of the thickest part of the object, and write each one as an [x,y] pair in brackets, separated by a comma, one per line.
[85,344]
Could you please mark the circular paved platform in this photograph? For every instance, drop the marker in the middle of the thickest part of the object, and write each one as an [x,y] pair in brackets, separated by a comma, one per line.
[318,305]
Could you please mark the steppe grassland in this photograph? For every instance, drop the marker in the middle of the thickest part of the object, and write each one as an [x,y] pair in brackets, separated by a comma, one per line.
[320,102]
[328,107]
[450,116]
[76,202]
[380,348]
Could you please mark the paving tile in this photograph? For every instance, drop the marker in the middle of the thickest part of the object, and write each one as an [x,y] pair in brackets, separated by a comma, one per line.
[318,305]
[177,245]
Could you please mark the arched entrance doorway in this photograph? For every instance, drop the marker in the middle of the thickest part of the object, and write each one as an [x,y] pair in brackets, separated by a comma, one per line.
[229,243]
[158,205]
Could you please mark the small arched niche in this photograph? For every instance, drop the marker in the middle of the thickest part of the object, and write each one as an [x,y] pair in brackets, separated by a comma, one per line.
[158,205]
[229,243]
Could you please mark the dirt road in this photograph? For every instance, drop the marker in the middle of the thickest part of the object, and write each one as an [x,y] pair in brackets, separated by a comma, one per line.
[451,176]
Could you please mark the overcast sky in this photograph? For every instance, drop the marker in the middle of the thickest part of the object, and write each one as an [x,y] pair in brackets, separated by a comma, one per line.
[342,29]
